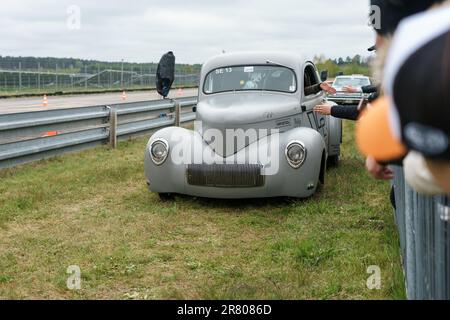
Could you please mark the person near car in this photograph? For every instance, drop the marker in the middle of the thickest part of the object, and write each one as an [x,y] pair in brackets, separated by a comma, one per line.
[392,12]
[316,88]
[413,117]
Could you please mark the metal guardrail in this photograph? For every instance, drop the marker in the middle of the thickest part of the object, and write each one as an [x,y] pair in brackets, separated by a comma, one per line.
[31,136]
[423,224]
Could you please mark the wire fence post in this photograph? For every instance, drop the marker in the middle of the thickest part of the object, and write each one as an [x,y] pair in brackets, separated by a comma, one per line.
[121,76]
[20,76]
[85,77]
[39,75]
[56,77]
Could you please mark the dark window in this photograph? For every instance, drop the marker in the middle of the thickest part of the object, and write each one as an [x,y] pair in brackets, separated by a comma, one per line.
[310,77]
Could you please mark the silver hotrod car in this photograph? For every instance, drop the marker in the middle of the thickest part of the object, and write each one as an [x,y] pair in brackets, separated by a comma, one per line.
[255,136]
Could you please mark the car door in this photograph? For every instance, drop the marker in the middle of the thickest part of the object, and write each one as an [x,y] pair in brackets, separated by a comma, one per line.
[310,118]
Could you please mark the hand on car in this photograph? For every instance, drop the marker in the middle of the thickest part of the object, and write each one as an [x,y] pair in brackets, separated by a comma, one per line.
[327,88]
[377,170]
[349,89]
[324,109]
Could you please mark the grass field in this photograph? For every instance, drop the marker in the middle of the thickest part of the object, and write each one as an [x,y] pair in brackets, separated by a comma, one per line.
[93,209]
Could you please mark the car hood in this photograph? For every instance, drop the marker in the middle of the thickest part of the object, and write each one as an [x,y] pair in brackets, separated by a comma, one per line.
[247,111]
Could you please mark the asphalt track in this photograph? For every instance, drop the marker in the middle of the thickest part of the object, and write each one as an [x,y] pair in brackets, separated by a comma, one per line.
[15,105]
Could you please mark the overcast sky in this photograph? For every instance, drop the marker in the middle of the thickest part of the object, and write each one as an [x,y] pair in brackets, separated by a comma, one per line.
[141,31]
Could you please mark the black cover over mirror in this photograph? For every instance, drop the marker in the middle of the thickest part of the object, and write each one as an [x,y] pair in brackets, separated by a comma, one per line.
[165,74]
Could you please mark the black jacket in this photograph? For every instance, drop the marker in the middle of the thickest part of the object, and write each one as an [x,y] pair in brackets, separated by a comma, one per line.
[316,88]
[369,89]
[352,112]
[345,112]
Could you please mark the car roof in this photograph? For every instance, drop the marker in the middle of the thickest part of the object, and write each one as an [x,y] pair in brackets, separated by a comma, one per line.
[291,60]
[352,77]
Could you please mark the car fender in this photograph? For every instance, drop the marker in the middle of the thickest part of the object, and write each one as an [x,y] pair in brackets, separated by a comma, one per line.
[162,178]
[315,146]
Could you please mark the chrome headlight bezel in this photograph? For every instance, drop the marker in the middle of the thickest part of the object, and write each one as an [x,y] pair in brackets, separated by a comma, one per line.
[302,147]
[162,142]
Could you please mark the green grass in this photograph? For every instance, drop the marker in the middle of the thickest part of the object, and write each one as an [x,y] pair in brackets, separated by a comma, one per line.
[93,209]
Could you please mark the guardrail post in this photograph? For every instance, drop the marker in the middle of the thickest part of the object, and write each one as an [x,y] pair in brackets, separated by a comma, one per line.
[177,113]
[112,128]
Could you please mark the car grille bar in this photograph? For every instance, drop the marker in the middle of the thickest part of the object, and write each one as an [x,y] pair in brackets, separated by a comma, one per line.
[225,175]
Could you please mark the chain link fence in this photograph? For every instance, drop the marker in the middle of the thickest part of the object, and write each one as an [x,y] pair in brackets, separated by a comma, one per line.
[423,224]
[39,80]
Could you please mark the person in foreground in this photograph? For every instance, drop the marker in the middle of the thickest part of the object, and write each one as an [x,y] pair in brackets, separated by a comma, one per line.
[412,121]
[392,12]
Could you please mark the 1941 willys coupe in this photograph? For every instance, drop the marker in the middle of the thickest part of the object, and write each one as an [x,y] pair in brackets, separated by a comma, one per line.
[256,134]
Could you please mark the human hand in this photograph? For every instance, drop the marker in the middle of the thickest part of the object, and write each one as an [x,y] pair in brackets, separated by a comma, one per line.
[324,109]
[349,89]
[327,88]
[377,170]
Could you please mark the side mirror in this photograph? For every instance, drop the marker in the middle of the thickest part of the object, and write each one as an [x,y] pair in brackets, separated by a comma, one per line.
[324,75]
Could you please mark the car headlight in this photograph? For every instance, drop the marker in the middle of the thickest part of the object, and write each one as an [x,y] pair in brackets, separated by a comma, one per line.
[295,154]
[159,150]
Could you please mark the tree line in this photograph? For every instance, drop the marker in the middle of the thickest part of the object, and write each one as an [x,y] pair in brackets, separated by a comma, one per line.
[347,66]
[74,65]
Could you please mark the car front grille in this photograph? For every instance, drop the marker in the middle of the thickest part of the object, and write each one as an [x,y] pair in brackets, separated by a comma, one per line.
[225,175]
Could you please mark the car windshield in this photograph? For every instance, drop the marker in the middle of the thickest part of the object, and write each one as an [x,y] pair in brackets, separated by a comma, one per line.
[254,78]
[354,82]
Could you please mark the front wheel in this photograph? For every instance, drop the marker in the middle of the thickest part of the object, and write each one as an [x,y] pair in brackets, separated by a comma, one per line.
[166,197]
[333,161]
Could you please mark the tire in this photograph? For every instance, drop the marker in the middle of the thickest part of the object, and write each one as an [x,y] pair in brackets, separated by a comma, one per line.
[333,161]
[166,197]
[323,170]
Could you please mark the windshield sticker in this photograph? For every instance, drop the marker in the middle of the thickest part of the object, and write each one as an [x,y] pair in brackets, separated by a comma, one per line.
[249,69]
[224,70]
[292,88]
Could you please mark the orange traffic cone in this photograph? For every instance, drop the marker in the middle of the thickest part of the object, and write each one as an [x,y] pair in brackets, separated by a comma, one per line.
[45,101]
[124,95]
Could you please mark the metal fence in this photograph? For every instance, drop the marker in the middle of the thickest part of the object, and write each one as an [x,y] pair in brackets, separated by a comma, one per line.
[44,80]
[423,224]
[31,136]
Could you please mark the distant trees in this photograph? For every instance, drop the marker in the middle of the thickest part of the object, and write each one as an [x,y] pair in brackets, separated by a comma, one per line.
[355,65]
[72,65]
